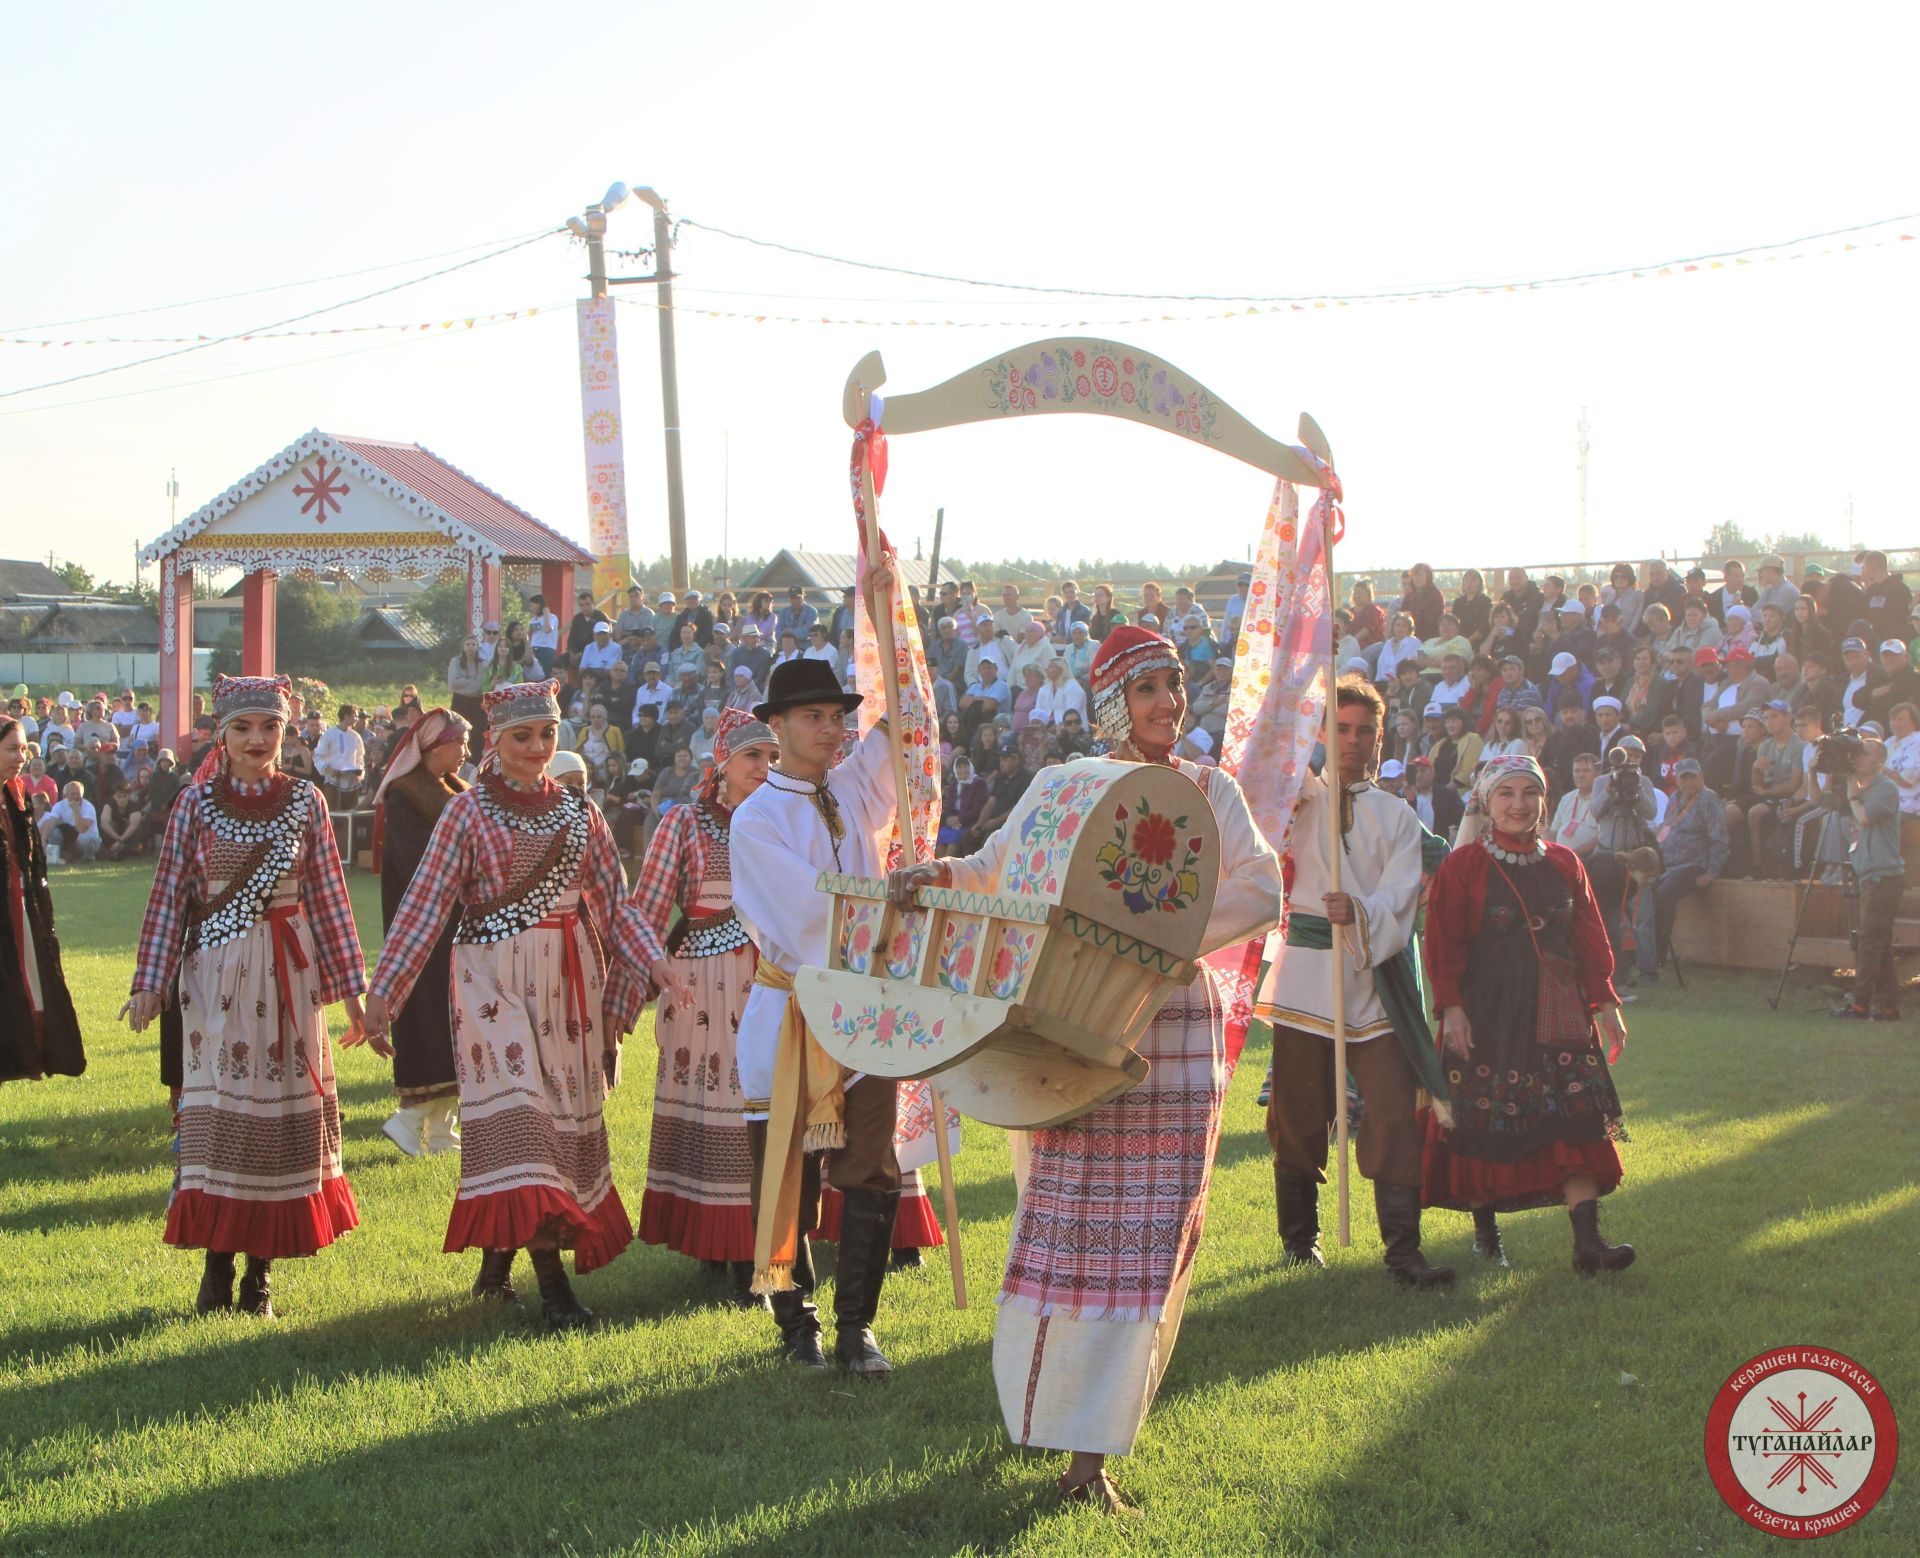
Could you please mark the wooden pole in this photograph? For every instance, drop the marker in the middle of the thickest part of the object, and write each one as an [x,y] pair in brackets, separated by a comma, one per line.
[1335,791]
[910,839]
[933,567]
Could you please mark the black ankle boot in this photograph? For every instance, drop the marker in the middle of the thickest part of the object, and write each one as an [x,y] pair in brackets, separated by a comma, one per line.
[799,1324]
[256,1288]
[1298,1198]
[558,1307]
[216,1284]
[1398,1208]
[1591,1253]
[866,1240]
[495,1280]
[908,1259]
[1486,1237]
[740,1272]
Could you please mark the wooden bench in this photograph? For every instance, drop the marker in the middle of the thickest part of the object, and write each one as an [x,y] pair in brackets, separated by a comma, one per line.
[1748,925]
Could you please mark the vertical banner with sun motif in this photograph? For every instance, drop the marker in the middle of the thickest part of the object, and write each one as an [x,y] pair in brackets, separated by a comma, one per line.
[606,457]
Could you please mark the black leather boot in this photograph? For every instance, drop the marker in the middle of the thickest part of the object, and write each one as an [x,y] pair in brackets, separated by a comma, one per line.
[256,1288]
[908,1259]
[496,1277]
[794,1313]
[866,1240]
[216,1284]
[1486,1237]
[740,1272]
[558,1307]
[1398,1208]
[1298,1198]
[1591,1253]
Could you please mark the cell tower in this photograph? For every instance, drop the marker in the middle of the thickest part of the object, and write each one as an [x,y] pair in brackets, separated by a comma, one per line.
[1584,445]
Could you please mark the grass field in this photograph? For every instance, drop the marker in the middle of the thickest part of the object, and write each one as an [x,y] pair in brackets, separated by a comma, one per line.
[1772,1191]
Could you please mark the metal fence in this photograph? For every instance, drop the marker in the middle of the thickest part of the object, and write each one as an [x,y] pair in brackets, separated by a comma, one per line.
[92,669]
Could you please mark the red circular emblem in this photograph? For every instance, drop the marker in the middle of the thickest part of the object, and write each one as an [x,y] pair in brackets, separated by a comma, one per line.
[1801,1441]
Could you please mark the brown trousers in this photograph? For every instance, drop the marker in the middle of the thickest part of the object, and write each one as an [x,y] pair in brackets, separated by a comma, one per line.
[866,1162]
[1387,1145]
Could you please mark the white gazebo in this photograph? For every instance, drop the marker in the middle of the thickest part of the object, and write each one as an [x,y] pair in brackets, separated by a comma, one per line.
[364,507]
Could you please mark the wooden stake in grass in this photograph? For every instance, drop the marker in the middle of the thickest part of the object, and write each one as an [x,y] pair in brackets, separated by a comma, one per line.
[882,613]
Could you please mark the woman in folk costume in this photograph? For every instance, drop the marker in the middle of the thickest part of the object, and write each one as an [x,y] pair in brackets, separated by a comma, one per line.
[39,1034]
[1110,1217]
[1523,977]
[248,910]
[699,1165]
[419,782]
[533,870]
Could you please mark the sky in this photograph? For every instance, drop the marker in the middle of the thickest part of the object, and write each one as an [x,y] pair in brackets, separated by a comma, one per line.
[164,156]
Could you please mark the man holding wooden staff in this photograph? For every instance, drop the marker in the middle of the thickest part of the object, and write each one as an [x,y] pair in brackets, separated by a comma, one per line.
[1390,1050]
[808,817]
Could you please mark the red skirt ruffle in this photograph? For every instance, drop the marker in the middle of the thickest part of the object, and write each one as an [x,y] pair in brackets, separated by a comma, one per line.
[509,1219]
[916,1228]
[691,1228]
[266,1230]
[1453,1179]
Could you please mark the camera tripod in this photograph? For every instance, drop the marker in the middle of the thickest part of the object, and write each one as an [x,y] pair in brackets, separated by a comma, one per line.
[1850,891]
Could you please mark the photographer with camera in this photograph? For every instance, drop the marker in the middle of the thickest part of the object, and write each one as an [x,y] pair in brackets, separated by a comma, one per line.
[1625,808]
[1863,789]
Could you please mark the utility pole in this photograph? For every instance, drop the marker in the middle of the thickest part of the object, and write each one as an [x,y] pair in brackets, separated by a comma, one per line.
[600,405]
[662,277]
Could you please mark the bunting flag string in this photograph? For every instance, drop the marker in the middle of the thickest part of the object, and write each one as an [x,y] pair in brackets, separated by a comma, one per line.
[1745,261]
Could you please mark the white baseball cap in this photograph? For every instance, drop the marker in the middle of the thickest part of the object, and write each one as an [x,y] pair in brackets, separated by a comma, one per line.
[1393,768]
[1562,663]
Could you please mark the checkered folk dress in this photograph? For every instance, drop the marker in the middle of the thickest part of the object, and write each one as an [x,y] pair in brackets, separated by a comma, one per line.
[536,878]
[249,914]
[699,1167]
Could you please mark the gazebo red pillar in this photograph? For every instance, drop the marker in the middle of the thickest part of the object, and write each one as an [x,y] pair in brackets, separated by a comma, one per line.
[483,593]
[176,654]
[556,583]
[259,623]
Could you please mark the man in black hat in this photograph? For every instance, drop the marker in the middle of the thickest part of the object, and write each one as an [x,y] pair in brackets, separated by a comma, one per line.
[808,817]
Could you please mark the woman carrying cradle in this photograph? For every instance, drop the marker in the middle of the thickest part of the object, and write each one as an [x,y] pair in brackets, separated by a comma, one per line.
[533,870]
[1522,975]
[699,1164]
[39,1034]
[419,782]
[1092,1298]
[248,909]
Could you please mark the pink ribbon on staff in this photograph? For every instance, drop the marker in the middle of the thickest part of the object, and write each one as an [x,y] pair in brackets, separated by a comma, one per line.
[869,453]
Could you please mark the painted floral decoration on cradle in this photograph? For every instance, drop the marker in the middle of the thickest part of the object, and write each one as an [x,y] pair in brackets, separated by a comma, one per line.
[884,1024]
[1139,862]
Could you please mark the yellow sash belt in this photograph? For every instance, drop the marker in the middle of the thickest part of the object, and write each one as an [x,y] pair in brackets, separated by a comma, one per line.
[807,1114]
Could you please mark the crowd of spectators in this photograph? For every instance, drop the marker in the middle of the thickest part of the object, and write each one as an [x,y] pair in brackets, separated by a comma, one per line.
[1677,722]
[1674,718]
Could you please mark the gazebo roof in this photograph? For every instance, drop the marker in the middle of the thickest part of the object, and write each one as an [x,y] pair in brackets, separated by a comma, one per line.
[331,502]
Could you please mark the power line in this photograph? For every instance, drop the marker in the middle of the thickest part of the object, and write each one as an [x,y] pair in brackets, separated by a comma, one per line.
[307,360]
[312,313]
[278,286]
[1438,290]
